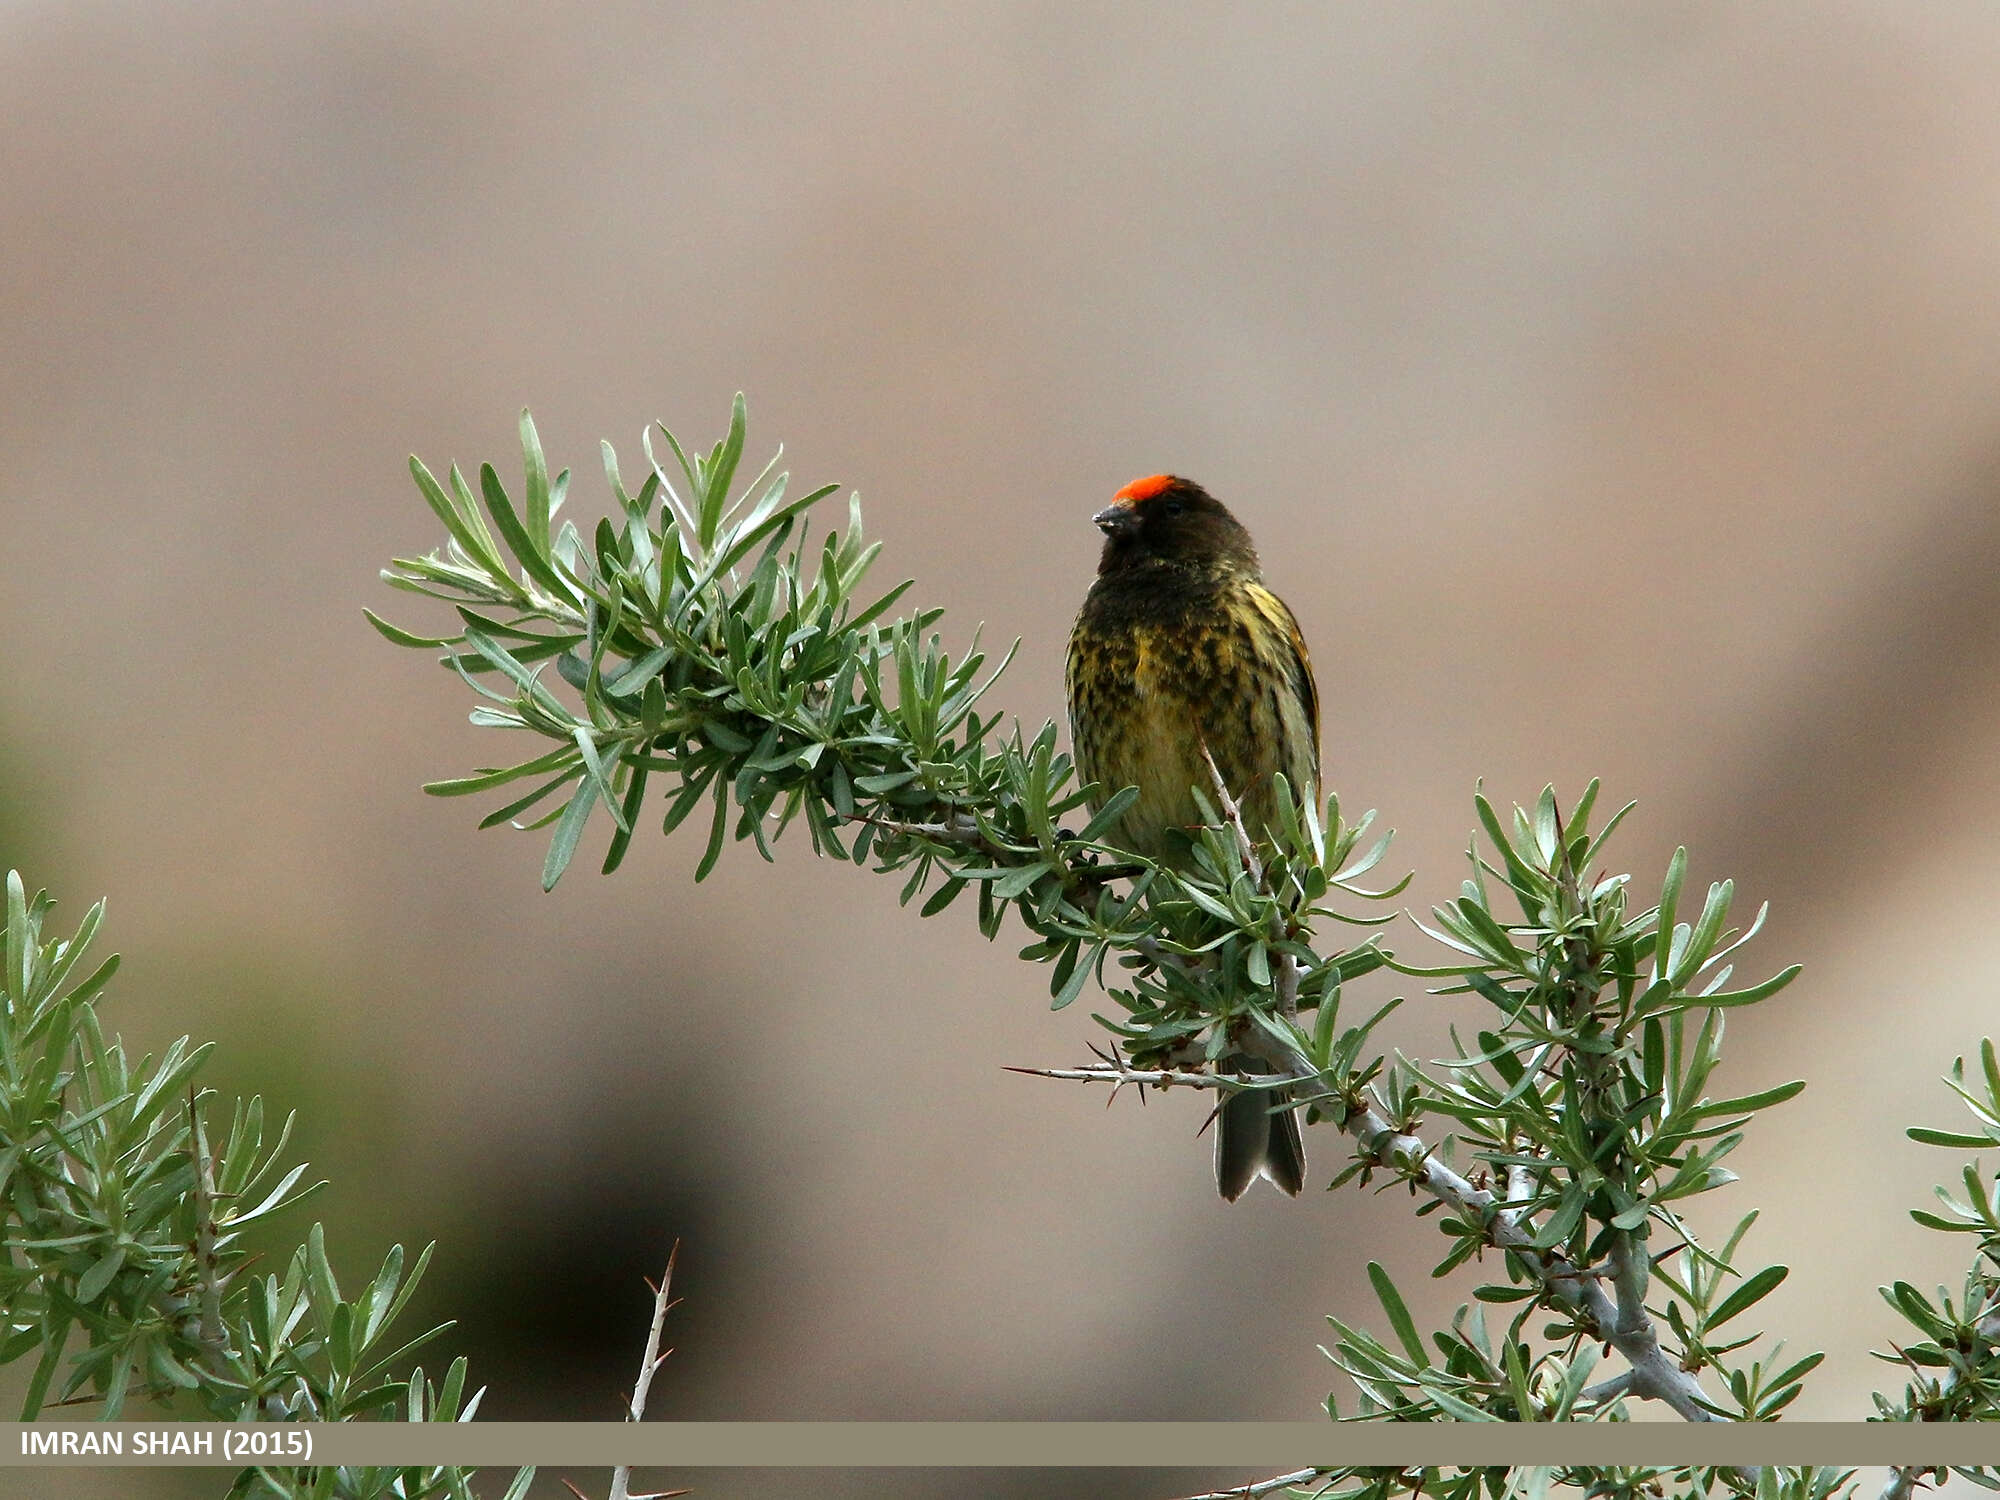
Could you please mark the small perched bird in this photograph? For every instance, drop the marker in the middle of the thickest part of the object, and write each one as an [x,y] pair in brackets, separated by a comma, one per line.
[1179,646]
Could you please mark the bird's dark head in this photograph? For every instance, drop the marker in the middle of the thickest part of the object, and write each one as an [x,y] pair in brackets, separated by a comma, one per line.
[1166,519]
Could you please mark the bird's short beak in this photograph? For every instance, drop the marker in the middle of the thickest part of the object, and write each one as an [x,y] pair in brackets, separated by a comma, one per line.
[1116,520]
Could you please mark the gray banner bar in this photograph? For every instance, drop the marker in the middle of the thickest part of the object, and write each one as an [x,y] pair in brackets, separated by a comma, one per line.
[1278,1446]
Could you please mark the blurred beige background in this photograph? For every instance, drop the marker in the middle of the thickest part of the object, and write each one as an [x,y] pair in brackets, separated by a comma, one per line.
[1612,390]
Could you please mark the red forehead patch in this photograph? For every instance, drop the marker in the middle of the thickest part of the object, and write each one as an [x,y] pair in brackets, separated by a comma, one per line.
[1145,489]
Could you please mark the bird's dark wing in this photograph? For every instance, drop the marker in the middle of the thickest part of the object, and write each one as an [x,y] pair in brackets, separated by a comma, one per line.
[1274,609]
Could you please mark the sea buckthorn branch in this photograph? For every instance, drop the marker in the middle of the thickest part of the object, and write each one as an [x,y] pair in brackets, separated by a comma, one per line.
[698,640]
[695,644]
[702,641]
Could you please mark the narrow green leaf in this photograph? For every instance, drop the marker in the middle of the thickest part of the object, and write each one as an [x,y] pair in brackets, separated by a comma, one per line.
[1324,1022]
[1748,1295]
[1086,967]
[381,1293]
[634,677]
[719,471]
[568,831]
[1518,874]
[1755,992]
[1517,1376]
[20,941]
[1545,827]
[714,850]
[1749,1103]
[1670,895]
[1951,1138]
[1707,930]
[514,669]
[635,793]
[1500,947]
[519,542]
[401,637]
[1603,834]
[321,1284]
[54,1335]
[1113,809]
[527,800]
[1579,818]
[463,525]
[1399,1315]
[1932,1221]
[695,783]
[942,897]
[537,498]
[587,746]
[91,1285]
[89,988]
[484,780]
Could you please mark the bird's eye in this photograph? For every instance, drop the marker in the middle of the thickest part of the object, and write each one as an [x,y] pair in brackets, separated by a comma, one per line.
[1176,506]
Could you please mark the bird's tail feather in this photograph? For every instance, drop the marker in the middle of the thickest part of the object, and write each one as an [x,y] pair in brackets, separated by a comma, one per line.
[1257,1136]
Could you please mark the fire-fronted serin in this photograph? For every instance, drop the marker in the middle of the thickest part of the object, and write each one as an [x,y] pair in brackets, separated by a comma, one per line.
[1179,645]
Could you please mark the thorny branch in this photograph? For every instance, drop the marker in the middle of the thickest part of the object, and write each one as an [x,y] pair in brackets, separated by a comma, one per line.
[1623,1324]
[1263,1487]
[1232,814]
[1902,1482]
[1576,1289]
[664,1302]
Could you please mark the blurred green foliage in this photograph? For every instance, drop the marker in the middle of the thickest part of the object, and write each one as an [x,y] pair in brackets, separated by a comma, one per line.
[126,1274]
